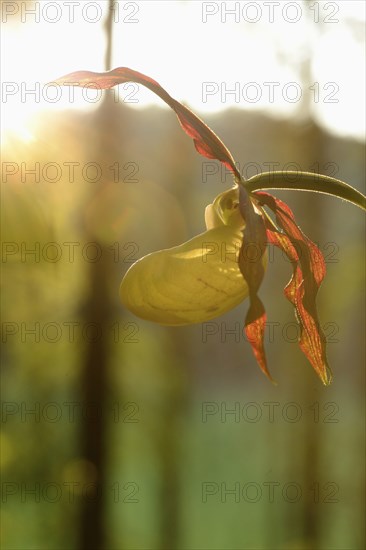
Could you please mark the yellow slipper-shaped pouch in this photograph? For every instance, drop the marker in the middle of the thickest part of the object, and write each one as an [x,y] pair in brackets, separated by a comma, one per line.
[195,281]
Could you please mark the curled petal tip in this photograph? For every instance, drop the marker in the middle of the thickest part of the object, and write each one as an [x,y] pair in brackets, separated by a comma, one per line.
[326,376]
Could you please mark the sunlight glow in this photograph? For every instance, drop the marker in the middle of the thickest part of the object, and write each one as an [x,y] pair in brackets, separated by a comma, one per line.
[33,53]
[16,123]
[210,58]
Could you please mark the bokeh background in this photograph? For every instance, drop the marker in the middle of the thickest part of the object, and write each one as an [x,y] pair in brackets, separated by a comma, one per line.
[119,434]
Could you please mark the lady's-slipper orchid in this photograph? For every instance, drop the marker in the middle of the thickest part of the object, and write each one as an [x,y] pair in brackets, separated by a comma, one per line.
[195,282]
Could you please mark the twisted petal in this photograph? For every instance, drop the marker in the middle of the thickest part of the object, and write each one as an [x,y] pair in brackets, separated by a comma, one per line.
[251,265]
[206,142]
[308,273]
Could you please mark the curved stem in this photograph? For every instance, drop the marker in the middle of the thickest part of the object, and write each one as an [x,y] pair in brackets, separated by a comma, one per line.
[306,181]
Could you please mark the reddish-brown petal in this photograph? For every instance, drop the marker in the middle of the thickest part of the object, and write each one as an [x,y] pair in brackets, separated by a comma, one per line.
[308,273]
[206,142]
[255,324]
[251,266]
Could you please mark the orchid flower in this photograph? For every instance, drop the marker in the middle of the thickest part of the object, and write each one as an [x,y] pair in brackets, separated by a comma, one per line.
[195,282]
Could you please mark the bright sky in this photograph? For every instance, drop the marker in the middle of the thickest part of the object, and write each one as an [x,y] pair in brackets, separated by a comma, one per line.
[211,55]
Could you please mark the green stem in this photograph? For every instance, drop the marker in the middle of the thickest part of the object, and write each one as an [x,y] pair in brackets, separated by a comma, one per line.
[306,181]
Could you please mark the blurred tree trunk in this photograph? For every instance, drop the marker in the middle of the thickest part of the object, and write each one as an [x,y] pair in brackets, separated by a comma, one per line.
[171,446]
[94,385]
[99,311]
[312,146]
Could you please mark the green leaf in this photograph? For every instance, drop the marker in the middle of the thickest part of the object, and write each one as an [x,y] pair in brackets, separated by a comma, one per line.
[306,181]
